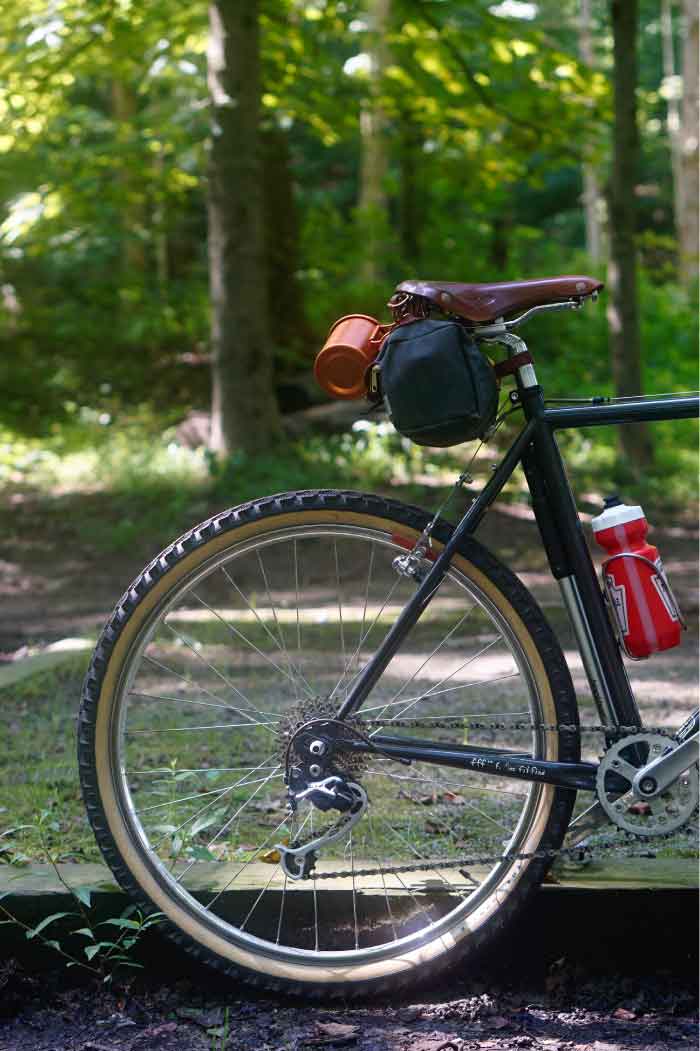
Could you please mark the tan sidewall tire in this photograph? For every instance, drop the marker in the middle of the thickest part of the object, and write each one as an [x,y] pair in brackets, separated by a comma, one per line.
[115,835]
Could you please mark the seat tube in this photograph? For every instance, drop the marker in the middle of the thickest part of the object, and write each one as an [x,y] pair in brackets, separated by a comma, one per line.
[572,567]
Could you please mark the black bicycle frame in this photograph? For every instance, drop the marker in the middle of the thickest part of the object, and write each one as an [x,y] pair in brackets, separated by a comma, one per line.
[570,561]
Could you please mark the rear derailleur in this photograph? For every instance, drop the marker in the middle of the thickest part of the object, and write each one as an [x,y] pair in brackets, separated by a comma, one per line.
[312,777]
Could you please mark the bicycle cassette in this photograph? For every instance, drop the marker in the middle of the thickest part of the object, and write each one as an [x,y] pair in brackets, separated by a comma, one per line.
[659,816]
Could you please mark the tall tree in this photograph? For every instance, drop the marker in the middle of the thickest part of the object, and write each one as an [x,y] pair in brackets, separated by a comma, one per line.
[244,408]
[591,188]
[623,304]
[673,118]
[374,161]
[690,118]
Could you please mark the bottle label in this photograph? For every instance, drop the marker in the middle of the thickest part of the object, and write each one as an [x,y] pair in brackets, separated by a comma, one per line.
[663,590]
[618,598]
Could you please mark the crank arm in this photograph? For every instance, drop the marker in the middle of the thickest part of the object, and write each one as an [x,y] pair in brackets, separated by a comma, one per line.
[656,776]
[494,761]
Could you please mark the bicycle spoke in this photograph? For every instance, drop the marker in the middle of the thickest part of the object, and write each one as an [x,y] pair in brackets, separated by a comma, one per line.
[244,638]
[202,689]
[205,726]
[377,855]
[282,904]
[227,824]
[207,806]
[354,893]
[280,633]
[367,634]
[449,785]
[412,850]
[340,610]
[315,892]
[419,669]
[179,700]
[197,795]
[216,671]
[296,604]
[449,689]
[244,866]
[263,625]
[399,877]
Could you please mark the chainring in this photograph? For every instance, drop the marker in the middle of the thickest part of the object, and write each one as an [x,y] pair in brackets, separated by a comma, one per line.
[663,814]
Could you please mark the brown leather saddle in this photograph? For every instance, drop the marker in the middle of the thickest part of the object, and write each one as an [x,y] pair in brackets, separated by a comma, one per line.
[484,303]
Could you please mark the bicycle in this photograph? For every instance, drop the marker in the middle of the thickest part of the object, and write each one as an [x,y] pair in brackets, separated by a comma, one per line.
[246,734]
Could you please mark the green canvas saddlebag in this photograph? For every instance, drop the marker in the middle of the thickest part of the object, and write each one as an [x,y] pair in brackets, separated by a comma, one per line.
[438,387]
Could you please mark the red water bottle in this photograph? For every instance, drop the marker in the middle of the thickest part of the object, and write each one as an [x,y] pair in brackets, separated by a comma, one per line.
[641,599]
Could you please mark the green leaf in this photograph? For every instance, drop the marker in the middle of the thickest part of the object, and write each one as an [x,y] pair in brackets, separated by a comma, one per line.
[86,931]
[45,922]
[202,823]
[83,894]
[132,925]
[91,950]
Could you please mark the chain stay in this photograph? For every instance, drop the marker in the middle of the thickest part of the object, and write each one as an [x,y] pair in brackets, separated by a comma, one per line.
[579,853]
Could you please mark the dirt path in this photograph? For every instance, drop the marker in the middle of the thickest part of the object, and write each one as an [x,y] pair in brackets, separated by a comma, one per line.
[55,581]
[568,1012]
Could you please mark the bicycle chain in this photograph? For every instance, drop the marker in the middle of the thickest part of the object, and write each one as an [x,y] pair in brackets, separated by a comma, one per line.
[580,852]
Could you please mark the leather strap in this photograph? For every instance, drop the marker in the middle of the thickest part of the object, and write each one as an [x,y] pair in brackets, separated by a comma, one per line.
[511,365]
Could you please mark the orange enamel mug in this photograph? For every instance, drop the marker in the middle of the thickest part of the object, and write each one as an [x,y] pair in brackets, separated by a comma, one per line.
[352,345]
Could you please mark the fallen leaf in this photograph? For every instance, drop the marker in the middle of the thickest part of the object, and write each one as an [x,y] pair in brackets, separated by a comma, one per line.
[624,1014]
[336,1033]
[270,857]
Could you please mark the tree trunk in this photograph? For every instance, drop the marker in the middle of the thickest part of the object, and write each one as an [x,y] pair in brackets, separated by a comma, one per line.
[244,408]
[499,245]
[409,211]
[292,333]
[690,118]
[591,186]
[673,118]
[374,161]
[133,257]
[623,308]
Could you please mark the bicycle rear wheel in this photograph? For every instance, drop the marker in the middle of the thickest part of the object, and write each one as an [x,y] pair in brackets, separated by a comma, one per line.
[255,622]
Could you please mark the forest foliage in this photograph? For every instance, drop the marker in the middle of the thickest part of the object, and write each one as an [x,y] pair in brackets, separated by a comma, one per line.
[489,116]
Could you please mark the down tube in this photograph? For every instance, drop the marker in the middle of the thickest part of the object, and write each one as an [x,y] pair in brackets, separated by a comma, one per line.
[571,564]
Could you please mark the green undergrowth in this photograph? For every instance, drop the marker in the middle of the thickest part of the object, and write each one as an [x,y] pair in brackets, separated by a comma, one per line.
[132,483]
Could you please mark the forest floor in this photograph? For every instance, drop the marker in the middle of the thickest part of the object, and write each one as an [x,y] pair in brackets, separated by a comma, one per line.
[60,576]
[567,1011]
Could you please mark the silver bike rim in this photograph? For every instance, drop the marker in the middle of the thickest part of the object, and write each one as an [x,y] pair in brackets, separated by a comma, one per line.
[497,877]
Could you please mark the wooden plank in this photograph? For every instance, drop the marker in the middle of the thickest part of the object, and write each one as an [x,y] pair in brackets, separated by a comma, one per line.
[628,873]
[52,656]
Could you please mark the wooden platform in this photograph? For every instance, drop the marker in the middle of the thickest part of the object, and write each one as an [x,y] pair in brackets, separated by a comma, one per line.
[627,917]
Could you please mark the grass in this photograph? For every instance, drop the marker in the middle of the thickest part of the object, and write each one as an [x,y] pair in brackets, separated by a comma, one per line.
[135,481]
[39,767]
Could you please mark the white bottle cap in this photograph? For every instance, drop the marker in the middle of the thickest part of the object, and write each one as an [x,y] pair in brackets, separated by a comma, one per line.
[615,516]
